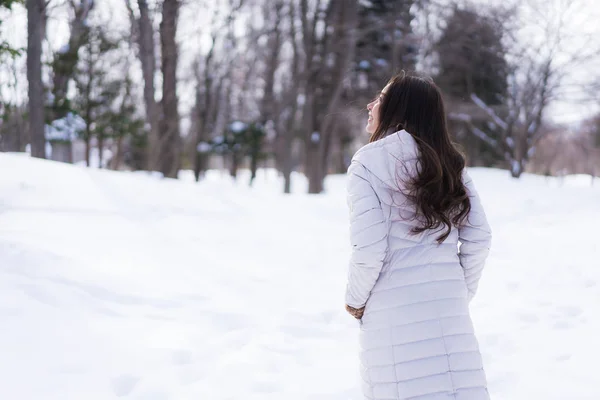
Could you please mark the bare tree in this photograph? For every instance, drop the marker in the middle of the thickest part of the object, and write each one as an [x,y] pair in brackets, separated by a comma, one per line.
[213,81]
[143,31]
[329,38]
[169,139]
[288,109]
[204,110]
[164,142]
[14,132]
[535,80]
[35,12]
[267,109]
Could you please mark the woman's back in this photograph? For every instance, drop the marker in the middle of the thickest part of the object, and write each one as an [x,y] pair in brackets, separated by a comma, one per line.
[416,334]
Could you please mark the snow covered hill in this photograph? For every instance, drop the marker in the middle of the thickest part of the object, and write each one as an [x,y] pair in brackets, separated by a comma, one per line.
[122,286]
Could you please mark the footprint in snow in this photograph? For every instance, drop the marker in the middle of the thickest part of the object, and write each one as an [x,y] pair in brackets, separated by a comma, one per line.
[123,385]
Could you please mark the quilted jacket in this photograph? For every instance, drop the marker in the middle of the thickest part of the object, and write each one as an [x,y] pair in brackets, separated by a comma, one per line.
[416,335]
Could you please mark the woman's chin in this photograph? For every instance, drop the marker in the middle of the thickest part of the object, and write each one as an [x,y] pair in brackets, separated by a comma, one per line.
[370,128]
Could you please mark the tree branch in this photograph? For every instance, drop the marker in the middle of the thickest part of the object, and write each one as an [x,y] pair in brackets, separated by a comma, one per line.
[481,104]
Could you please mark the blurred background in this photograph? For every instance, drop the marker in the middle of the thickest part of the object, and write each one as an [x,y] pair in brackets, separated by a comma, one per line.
[195,85]
[118,282]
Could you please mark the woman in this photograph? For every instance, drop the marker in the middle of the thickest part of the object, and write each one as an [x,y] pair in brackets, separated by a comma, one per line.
[411,202]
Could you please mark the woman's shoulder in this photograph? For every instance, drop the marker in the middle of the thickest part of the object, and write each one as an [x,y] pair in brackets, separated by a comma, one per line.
[398,145]
[387,159]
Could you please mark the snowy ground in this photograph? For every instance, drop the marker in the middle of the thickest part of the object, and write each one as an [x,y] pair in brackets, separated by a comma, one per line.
[118,285]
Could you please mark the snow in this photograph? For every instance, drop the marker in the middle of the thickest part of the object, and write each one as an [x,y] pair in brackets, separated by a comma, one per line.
[64,49]
[203,147]
[66,128]
[237,126]
[483,136]
[107,155]
[531,128]
[510,142]
[460,117]
[364,64]
[47,149]
[515,166]
[481,104]
[123,286]
[315,137]
[382,62]
[49,98]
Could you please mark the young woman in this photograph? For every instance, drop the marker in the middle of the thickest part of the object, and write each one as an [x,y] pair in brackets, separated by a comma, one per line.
[411,202]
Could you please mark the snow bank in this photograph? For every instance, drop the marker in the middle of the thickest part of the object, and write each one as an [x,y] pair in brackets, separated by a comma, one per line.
[124,286]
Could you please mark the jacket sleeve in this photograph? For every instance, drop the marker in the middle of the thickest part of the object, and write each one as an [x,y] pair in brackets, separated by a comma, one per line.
[368,236]
[475,238]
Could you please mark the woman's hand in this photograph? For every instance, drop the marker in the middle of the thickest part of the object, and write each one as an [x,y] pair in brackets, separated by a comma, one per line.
[355,312]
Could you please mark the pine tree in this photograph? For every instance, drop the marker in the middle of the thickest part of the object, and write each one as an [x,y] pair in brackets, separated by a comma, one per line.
[471,58]
[5,47]
[104,99]
[472,61]
[386,44]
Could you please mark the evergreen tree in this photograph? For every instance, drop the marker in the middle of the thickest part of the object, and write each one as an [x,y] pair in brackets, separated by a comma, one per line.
[471,58]
[472,61]
[104,99]
[5,48]
[386,43]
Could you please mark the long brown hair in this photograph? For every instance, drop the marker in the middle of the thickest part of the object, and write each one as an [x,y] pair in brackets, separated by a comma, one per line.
[415,104]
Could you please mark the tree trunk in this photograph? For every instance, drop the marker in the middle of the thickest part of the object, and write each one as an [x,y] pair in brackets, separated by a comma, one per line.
[87,149]
[117,159]
[148,60]
[169,140]
[88,107]
[100,149]
[344,19]
[314,169]
[289,132]
[287,165]
[35,12]
[204,103]
[200,164]
[267,107]
[254,163]
[516,168]
[234,166]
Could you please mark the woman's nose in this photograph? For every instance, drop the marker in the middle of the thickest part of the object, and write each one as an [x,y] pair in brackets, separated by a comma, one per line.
[370,106]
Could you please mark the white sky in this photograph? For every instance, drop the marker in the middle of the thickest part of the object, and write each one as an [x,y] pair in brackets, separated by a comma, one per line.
[195,19]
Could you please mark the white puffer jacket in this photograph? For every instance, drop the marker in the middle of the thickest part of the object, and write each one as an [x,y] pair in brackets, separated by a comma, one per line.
[416,335]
